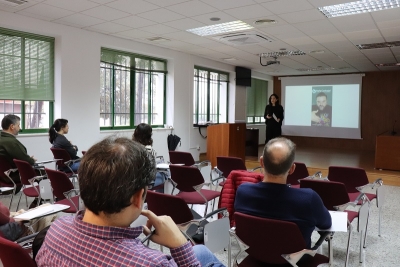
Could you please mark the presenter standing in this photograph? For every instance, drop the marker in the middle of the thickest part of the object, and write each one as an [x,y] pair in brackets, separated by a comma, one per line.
[273,115]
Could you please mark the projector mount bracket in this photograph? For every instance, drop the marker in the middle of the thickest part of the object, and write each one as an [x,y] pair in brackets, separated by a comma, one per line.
[269,62]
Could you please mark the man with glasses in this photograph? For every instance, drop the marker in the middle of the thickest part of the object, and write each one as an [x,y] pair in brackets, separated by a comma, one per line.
[114,177]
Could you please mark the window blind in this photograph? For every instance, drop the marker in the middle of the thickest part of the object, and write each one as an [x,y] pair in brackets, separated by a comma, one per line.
[26,66]
[257,98]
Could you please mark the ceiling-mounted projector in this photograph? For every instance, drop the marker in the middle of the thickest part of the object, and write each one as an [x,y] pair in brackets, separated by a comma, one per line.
[269,62]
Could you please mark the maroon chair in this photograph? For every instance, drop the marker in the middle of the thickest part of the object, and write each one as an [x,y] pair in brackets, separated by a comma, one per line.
[6,181]
[335,197]
[178,210]
[271,242]
[63,189]
[12,254]
[356,181]
[300,172]
[28,178]
[228,164]
[185,158]
[64,160]
[189,181]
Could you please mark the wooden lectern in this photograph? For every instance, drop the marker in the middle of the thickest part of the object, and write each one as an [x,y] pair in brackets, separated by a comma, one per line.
[226,139]
[387,152]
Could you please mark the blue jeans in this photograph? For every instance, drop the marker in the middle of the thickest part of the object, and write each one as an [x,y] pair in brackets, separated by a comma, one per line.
[75,166]
[206,257]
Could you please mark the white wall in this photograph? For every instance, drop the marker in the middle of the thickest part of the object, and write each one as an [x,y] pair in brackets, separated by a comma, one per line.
[77,83]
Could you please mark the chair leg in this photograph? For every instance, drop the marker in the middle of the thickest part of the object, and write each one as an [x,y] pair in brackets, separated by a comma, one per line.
[366,231]
[12,196]
[361,245]
[26,202]
[19,200]
[379,225]
[348,246]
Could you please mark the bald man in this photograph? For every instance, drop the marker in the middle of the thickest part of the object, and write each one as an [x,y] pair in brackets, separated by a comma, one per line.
[273,199]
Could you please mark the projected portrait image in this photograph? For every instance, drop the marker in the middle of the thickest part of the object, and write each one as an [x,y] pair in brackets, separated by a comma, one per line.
[321,110]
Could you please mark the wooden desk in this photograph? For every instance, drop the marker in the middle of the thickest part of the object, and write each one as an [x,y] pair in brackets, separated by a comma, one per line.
[387,152]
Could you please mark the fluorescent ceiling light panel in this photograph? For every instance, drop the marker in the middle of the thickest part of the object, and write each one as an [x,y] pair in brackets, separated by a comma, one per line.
[358,7]
[232,26]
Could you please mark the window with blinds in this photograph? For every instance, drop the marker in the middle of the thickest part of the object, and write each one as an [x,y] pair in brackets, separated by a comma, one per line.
[27,78]
[132,90]
[257,99]
[210,96]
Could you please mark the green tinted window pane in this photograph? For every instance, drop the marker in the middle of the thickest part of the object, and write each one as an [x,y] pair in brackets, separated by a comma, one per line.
[143,64]
[106,95]
[158,65]
[122,97]
[157,98]
[37,115]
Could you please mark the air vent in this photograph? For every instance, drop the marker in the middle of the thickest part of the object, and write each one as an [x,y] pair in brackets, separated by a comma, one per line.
[378,45]
[243,38]
[13,3]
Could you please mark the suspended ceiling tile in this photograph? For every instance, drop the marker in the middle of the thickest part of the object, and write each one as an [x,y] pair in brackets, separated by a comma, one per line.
[79,20]
[132,6]
[106,13]
[161,15]
[45,12]
[134,22]
[303,16]
[287,6]
[72,5]
[192,8]
[159,29]
[227,4]
[249,12]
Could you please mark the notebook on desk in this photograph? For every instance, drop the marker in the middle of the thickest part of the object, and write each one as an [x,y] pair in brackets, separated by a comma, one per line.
[339,222]
[41,211]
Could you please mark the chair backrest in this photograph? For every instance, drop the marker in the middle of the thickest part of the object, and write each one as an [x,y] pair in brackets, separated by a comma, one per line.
[268,239]
[331,193]
[300,172]
[228,164]
[12,254]
[173,206]
[186,177]
[351,177]
[179,157]
[62,154]
[59,182]
[26,171]
[4,166]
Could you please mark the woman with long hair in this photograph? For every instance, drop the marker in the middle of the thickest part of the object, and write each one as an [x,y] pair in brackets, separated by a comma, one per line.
[58,140]
[273,115]
[143,135]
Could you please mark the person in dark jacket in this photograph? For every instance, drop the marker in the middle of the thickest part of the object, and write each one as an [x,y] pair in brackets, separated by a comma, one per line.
[58,140]
[10,147]
[273,115]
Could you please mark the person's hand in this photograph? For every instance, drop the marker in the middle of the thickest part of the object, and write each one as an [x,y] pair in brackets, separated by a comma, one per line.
[166,234]
[269,117]
[314,117]
[33,158]
[278,120]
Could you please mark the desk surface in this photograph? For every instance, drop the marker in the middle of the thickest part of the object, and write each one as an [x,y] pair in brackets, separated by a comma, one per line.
[41,211]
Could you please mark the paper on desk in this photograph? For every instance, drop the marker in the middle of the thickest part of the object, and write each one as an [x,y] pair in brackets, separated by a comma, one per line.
[162,166]
[339,222]
[41,211]
[5,189]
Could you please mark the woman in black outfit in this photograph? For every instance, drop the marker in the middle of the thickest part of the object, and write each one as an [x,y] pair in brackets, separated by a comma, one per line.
[57,138]
[273,115]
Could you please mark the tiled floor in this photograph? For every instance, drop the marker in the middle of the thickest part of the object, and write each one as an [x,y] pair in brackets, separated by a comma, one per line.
[380,252]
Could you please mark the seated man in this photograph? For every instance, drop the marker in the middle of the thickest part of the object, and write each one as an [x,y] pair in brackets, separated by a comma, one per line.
[10,147]
[273,199]
[114,176]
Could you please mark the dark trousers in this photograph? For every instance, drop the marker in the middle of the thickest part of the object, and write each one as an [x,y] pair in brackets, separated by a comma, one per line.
[272,131]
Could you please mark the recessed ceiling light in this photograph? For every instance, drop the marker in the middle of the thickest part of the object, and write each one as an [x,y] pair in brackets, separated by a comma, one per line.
[317,52]
[283,54]
[264,21]
[229,59]
[378,45]
[388,65]
[358,7]
[158,39]
[215,19]
[232,26]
